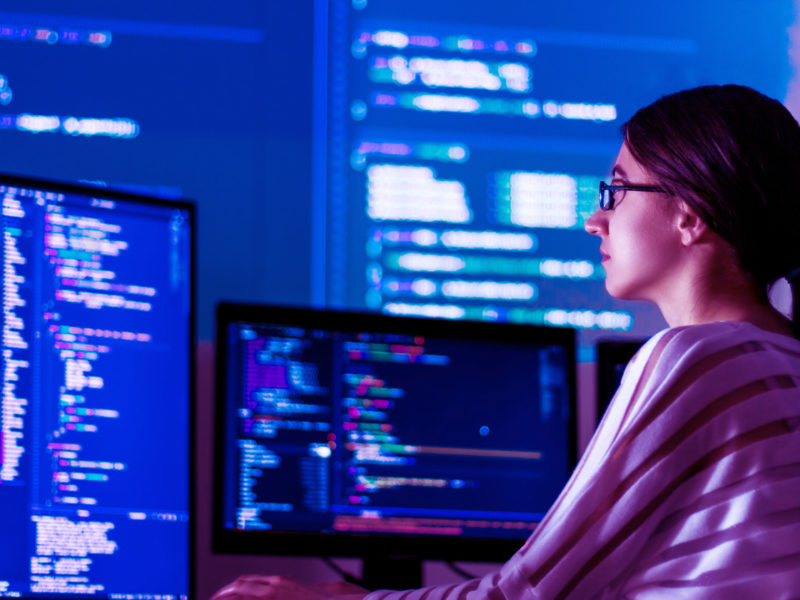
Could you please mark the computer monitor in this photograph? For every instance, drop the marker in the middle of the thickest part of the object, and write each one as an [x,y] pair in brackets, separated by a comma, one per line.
[375,436]
[613,355]
[506,113]
[97,346]
[463,142]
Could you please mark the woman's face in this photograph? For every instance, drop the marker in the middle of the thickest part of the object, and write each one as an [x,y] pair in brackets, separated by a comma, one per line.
[640,243]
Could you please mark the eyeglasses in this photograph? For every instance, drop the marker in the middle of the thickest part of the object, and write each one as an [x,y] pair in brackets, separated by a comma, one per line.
[609,196]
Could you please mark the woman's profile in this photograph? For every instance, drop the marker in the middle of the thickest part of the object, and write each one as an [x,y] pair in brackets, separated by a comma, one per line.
[690,487]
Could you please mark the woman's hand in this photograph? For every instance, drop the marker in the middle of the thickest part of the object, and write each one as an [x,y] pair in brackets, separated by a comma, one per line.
[278,587]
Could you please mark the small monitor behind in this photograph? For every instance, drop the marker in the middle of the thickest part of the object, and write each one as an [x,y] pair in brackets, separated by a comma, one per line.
[613,355]
[98,338]
[376,436]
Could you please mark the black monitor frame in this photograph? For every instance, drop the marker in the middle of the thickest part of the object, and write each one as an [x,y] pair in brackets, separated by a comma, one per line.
[612,354]
[185,204]
[372,545]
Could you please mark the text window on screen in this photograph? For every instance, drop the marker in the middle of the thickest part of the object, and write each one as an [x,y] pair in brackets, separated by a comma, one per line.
[465,145]
[94,427]
[396,427]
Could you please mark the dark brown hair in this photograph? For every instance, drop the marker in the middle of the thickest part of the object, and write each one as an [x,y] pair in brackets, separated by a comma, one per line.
[733,155]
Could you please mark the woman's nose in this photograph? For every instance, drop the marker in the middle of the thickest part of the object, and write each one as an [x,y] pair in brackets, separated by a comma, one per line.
[596,224]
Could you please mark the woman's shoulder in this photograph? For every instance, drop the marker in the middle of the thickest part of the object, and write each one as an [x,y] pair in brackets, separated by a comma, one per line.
[680,370]
[726,373]
[730,350]
[713,337]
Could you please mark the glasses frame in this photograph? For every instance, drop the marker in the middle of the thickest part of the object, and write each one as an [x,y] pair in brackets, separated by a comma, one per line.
[607,192]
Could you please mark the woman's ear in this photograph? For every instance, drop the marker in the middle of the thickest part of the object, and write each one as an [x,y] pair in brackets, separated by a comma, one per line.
[691,228]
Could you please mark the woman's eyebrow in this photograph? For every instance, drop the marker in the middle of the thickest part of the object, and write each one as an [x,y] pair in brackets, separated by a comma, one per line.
[618,171]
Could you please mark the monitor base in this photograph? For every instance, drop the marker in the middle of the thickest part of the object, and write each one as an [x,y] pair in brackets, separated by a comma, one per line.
[392,572]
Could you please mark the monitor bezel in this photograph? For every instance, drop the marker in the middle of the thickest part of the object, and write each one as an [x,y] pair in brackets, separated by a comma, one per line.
[611,352]
[275,543]
[190,207]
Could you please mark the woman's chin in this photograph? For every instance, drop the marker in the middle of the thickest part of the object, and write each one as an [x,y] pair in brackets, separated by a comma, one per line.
[626,292]
[613,290]
[618,291]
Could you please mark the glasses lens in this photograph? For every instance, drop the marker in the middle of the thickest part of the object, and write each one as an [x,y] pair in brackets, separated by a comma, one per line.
[606,199]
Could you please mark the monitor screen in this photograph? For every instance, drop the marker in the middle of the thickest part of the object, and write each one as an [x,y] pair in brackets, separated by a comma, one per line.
[466,142]
[363,434]
[359,111]
[97,327]
[613,355]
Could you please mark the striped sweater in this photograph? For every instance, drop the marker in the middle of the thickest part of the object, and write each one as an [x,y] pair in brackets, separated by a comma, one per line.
[690,488]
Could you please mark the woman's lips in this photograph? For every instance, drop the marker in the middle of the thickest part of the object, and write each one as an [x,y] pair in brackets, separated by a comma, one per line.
[605,256]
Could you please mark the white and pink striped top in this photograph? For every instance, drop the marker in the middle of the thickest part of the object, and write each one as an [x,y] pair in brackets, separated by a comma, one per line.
[690,487]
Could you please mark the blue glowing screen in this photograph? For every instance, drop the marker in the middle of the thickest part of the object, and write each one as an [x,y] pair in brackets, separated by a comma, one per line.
[94,427]
[466,142]
[349,424]
[433,158]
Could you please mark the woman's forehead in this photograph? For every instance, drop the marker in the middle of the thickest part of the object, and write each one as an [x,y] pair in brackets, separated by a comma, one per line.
[627,167]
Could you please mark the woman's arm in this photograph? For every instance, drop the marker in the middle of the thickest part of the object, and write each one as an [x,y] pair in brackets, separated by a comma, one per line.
[275,587]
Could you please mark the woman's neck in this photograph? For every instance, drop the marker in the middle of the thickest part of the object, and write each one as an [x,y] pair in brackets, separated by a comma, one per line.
[726,297]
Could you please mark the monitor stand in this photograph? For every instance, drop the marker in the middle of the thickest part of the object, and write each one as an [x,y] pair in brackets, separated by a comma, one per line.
[391,572]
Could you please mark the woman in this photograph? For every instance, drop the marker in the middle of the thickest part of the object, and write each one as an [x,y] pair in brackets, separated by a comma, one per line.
[691,486]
